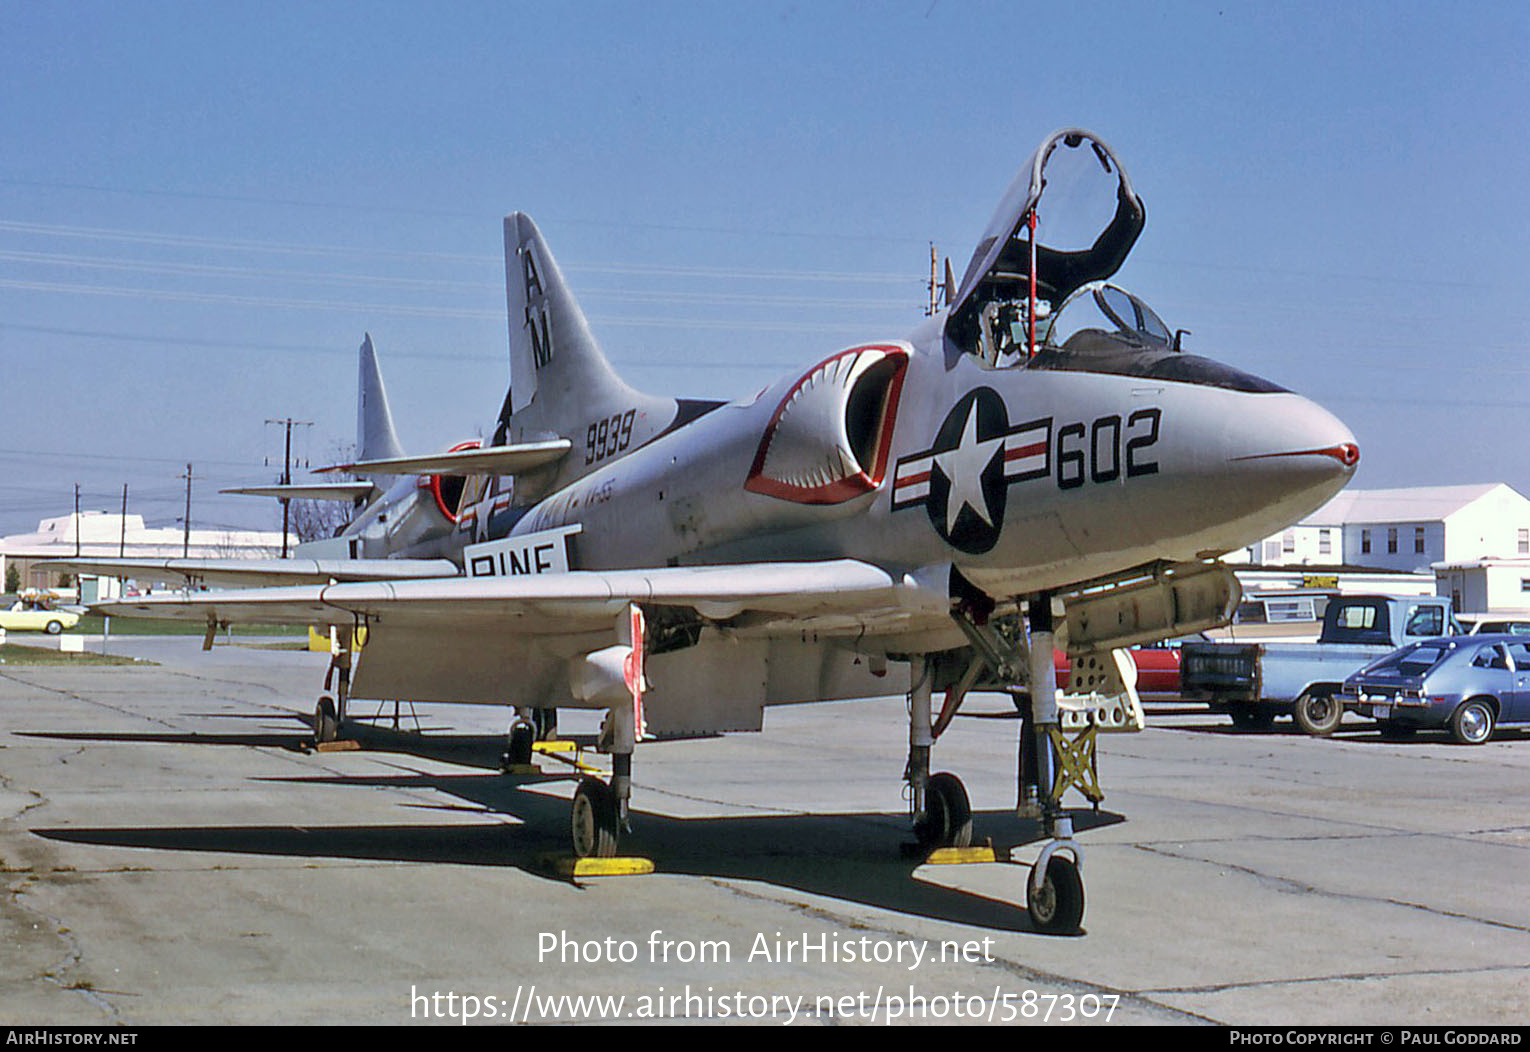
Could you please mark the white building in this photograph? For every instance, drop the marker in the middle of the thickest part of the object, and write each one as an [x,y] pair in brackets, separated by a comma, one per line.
[100,533]
[1406,530]
[1486,585]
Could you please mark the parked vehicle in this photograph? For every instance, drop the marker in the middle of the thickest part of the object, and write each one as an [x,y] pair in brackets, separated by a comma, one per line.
[37,615]
[1157,668]
[1501,625]
[1256,682]
[1471,685]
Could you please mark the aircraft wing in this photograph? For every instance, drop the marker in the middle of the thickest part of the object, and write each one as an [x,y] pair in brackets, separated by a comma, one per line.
[836,596]
[254,573]
[346,491]
[496,460]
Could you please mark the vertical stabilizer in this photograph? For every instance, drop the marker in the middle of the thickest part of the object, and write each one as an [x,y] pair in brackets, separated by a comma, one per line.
[560,383]
[375,437]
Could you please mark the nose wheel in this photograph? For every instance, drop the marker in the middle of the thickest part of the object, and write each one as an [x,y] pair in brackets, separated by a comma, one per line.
[1056,902]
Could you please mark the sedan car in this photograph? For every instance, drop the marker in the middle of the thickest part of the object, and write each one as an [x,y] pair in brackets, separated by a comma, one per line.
[1470,685]
[30,615]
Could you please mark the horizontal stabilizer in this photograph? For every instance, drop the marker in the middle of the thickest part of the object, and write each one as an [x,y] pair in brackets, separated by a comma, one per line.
[496,460]
[345,491]
[254,573]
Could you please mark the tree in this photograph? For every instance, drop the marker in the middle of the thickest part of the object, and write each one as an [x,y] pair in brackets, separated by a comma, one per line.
[315,520]
[12,578]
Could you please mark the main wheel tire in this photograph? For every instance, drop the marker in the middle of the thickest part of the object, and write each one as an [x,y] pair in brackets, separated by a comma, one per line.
[1057,907]
[1319,713]
[518,750]
[947,818]
[326,724]
[55,627]
[1472,723]
[594,820]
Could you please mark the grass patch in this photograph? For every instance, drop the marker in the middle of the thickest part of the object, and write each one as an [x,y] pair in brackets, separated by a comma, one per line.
[95,625]
[15,654]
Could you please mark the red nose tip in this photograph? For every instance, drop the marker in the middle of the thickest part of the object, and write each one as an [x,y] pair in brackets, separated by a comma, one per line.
[1347,454]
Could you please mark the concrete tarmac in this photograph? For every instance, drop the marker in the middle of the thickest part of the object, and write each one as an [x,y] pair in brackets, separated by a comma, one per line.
[173,852]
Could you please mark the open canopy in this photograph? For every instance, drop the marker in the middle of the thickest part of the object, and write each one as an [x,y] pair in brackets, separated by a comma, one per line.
[1085,227]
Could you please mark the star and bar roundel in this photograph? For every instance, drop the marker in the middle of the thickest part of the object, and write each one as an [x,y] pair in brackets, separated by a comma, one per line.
[963,479]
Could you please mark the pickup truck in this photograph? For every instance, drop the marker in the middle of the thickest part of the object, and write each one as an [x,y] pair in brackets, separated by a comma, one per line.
[1256,682]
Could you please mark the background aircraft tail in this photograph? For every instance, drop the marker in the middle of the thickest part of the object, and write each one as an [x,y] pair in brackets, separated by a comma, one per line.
[560,383]
[375,437]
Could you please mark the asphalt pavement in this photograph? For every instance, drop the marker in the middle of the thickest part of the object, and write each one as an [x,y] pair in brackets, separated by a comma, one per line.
[173,851]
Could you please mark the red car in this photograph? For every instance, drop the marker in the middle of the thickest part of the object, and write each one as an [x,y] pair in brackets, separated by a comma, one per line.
[1157,668]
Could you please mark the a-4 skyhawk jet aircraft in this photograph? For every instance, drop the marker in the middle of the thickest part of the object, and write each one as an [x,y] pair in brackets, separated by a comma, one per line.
[1038,465]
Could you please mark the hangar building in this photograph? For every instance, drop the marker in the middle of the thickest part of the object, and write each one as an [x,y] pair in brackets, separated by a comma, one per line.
[108,534]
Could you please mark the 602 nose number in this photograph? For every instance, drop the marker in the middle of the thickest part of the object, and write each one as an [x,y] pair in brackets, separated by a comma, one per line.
[1103,450]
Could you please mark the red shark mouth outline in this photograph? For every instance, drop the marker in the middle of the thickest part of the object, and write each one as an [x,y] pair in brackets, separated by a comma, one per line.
[433,482]
[852,484]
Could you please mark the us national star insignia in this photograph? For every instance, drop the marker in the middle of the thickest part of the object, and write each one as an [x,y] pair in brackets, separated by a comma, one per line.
[963,479]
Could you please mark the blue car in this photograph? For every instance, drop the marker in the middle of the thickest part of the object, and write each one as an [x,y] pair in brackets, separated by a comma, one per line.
[1471,685]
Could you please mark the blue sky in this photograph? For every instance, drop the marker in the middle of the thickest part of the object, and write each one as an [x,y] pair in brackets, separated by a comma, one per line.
[203,206]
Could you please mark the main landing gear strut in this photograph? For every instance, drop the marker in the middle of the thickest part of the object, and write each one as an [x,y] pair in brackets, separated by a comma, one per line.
[329,713]
[941,813]
[600,812]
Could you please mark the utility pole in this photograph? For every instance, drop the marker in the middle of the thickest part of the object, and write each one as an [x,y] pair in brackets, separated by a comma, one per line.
[186,536]
[942,292]
[121,552]
[287,471]
[76,520]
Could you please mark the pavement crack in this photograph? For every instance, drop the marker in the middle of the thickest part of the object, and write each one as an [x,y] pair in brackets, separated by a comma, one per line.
[1340,977]
[1033,978]
[1291,885]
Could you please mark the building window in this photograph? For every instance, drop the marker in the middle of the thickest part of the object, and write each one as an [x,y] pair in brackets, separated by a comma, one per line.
[1325,543]
[1288,542]
[1418,540]
[1391,540]
[1524,542]
[1365,542]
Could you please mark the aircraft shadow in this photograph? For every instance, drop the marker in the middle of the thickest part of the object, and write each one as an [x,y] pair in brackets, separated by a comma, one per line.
[850,856]
[270,740]
[464,750]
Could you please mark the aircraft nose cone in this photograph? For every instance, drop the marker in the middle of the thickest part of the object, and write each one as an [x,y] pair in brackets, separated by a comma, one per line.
[1296,435]
[1290,454]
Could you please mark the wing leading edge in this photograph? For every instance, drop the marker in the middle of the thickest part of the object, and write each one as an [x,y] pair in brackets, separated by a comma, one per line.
[789,593]
[256,572]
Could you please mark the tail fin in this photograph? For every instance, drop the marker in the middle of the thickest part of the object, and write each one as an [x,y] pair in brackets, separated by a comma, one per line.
[375,437]
[560,383]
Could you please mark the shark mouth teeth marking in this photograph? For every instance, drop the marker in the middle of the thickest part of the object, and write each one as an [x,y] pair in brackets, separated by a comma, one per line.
[828,440]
